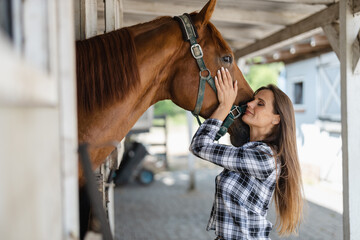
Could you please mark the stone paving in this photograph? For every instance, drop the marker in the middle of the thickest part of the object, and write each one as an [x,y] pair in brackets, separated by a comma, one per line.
[166,210]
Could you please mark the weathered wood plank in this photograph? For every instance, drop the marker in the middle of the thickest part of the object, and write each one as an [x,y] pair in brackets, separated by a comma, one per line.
[315,21]
[16,92]
[119,14]
[332,33]
[232,15]
[35,37]
[66,82]
[307,1]
[109,16]
[356,6]
[88,18]
[77,17]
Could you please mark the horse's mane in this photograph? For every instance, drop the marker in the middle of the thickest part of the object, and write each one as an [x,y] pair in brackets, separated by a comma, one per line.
[106,68]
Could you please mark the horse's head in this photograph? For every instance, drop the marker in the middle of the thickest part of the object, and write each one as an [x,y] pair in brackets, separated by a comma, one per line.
[216,54]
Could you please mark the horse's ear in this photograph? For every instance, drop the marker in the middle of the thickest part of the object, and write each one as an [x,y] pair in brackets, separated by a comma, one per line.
[203,17]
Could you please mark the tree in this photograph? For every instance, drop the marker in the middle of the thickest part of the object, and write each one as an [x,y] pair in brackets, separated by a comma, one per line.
[264,74]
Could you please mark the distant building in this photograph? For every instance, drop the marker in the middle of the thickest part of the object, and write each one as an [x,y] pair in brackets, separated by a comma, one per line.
[313,85]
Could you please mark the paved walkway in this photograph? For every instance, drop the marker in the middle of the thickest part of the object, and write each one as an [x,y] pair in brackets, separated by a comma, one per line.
[166,210]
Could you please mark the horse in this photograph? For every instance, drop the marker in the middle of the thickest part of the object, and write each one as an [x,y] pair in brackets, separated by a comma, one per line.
[122,73]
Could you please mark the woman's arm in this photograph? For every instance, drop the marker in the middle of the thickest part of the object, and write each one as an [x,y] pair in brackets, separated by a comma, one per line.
[254,158]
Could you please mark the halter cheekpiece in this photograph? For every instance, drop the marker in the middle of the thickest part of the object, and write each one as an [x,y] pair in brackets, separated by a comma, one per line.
[190,34]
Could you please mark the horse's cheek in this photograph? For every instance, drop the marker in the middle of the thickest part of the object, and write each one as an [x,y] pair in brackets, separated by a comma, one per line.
[239,133]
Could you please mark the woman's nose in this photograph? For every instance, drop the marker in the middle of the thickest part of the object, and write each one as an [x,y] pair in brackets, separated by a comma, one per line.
[250,104]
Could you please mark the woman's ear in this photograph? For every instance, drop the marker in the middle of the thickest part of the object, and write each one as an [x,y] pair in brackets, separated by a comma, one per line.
[276,119]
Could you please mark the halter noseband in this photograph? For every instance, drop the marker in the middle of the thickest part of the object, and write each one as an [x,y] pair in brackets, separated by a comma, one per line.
[190,34]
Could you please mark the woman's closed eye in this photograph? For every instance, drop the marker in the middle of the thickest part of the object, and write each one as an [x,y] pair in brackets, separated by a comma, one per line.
[260,103]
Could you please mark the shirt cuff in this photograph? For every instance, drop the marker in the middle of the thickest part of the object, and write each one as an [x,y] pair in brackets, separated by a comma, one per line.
[211,127]
[213,122]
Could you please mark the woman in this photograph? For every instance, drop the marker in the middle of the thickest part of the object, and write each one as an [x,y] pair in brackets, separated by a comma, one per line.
[265,166]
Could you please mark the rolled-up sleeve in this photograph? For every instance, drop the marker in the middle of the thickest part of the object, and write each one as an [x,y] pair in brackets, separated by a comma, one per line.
[253,158]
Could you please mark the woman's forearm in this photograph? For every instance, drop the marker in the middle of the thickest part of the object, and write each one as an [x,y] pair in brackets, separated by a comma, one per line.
[221,112]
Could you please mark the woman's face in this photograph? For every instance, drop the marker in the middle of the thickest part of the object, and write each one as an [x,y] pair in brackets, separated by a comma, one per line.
[260,111]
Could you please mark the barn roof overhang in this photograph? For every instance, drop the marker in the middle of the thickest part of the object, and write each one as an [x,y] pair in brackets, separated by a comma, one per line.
[275,30]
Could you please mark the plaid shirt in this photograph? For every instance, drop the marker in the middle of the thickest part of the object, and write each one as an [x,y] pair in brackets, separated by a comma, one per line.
[243,189]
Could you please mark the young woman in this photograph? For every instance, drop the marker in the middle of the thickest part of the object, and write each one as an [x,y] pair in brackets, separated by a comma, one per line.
[265,166]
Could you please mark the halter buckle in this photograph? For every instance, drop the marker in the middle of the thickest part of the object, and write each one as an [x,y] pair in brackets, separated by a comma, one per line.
[236,112]
[196,51]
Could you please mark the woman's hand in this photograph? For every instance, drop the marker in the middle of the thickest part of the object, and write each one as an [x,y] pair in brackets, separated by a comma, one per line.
[226,88]
[226,93]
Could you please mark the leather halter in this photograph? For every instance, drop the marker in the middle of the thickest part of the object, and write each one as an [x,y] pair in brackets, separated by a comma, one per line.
[190,34]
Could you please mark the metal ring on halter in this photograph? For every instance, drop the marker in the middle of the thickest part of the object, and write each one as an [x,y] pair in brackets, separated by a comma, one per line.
[209,73]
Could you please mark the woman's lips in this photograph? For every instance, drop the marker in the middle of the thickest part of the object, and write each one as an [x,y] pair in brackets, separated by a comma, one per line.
[248,112]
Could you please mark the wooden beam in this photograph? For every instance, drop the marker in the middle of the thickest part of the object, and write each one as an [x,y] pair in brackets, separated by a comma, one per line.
[303,51]
[249,32]
[306,1]
[233,15]
[356,55]
[356,6]
[236,44]
[332,33]
[303,27]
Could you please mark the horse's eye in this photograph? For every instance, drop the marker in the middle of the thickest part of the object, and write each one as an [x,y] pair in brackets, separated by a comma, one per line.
[227,59]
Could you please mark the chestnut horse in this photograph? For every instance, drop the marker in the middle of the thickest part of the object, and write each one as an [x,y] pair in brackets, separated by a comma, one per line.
[122,73]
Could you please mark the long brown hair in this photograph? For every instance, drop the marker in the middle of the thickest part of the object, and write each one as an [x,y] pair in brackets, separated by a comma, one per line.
[288,194]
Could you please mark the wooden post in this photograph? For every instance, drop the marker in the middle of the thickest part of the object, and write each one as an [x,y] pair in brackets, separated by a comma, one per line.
[191,157]
[65,75]
[350,114]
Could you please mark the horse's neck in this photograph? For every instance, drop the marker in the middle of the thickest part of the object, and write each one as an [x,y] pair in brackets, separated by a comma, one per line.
[157,43]
[116,120]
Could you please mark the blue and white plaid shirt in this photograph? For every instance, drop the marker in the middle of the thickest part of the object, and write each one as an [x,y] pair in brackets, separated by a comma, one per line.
[243,189]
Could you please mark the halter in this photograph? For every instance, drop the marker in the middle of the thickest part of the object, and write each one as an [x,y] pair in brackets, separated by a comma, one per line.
[190,34]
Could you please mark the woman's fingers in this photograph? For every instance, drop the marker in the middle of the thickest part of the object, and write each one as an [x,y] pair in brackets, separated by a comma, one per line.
[236,86]
[227,89]
[225,77]
[228,76]
[220,80]
[224,80]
